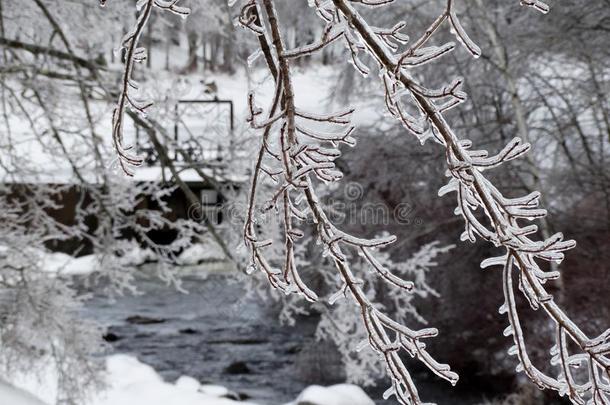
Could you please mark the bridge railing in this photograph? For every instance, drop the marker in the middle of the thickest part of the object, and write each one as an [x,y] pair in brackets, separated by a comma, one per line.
[202,133]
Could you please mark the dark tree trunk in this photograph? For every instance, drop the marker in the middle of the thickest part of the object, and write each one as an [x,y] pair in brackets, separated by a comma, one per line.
[214,51]
[229,43]
[227,53]
[191,64]
[149,42]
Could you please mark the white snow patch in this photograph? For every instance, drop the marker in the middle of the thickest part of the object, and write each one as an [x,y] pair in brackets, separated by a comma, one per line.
[200,252]
[11,395]
[131,382]
[340,394]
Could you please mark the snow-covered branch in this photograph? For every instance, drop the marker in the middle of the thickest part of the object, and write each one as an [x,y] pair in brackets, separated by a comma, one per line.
[296,148]
[474,190]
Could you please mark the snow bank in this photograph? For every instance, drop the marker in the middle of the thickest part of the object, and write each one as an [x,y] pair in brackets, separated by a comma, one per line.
[199,252]
[340,394]
[128,382]
[10,395]
[131,382]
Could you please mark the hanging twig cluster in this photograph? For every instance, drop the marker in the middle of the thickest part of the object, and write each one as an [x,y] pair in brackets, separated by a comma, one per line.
[299,148]
[503,215]
[135,54]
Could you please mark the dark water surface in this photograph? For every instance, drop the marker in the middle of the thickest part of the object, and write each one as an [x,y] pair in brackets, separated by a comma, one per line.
[218,336]
[212,333]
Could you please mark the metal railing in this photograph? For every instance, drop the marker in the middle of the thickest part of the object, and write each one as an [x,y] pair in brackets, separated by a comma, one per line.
[195,148]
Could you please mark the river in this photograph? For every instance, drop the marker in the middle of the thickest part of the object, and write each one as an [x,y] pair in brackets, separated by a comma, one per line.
[216,335]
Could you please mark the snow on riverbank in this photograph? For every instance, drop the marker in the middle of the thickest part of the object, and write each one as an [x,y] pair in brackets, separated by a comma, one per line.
[133,383]
[130,382]
[340,394]
[66,265]
[10,395]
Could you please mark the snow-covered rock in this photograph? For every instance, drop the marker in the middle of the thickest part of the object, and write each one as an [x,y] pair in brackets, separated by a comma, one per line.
[61,263]
[131,382]
[340,394]
[199,252]
[137,256]
[188,384]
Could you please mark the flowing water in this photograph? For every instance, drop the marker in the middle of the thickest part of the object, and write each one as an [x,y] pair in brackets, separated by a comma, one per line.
[218,335]
[212,333]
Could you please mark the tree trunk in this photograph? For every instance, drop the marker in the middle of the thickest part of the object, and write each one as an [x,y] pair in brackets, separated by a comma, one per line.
[191,64]
[501,53]
[204,60]
[214,51]
[168,44]
[229,42]
[227,53]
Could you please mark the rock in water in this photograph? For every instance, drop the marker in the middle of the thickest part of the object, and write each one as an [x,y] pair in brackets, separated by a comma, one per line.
[239,367]
[143,320]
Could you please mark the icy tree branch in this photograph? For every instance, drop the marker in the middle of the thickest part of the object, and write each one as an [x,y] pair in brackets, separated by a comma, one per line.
[298,152]
[298,148]
[133,54]
[465,168]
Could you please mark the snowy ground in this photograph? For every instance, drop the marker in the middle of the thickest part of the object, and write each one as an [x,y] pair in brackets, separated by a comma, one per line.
[164,88]
[131,382]
[66,265]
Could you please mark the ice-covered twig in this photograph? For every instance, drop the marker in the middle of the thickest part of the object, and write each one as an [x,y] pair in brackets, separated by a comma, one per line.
[133,54]
[537,4]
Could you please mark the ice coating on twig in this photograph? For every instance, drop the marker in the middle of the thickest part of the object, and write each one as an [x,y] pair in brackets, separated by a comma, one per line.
[299,147]
[135,54]
[503,216]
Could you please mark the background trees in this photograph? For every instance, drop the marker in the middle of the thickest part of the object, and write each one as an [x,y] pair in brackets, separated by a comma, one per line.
[543,79]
